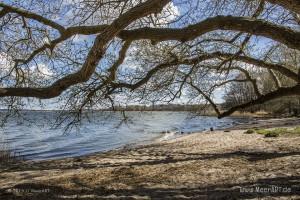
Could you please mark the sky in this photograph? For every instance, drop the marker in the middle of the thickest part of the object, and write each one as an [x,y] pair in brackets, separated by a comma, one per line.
[175,9]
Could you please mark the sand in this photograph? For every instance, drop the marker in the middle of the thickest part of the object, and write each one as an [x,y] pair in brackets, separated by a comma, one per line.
[207,165]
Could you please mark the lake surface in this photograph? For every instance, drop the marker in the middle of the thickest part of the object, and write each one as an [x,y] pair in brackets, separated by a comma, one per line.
[35,137]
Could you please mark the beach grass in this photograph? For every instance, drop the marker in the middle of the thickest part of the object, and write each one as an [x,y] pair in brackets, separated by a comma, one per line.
[276,132]
[7,155]
[296,130]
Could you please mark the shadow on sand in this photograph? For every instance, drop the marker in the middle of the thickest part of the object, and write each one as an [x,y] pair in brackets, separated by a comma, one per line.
[218,191]
[245,190]
[165,158]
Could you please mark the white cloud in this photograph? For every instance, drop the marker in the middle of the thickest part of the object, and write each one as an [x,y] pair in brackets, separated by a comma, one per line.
[169,13]
[82,38]
[41,70]
[44,69]
[6,64]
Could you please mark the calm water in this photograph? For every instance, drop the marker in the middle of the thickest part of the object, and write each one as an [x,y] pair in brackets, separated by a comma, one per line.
[35,137]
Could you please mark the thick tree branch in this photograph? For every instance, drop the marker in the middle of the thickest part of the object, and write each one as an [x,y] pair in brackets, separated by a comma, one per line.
[215,107]
[113,70]
[216,55]
[259,63]
[281,92]
[94,55]
[230,81]
[274,78]
[31,15]
[148,76]
[251,80]
[285,35]
[122,54]
[3,12]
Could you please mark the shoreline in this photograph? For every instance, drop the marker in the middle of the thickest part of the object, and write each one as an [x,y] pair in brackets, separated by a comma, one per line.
[220,164]
[256,122]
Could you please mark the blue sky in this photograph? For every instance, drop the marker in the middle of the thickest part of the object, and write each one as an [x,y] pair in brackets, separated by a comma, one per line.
[62,19]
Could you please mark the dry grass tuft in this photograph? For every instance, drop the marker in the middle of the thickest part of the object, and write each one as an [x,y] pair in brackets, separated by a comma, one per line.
[7,155]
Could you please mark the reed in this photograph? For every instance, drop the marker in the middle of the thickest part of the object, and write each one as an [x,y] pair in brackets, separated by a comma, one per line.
[7,155]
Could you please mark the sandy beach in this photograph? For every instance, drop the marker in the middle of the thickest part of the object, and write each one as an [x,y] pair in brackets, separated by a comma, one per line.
[223,164]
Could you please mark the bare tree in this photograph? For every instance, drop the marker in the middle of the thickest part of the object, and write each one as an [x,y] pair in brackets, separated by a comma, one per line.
[165,49]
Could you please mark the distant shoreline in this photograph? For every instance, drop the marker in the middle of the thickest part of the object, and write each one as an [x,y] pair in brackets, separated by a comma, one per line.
[208,113]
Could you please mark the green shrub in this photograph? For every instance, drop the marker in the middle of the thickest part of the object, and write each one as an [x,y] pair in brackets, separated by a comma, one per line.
[262,131]
[272,134]
[249,131]
[296,130]
[280,130]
